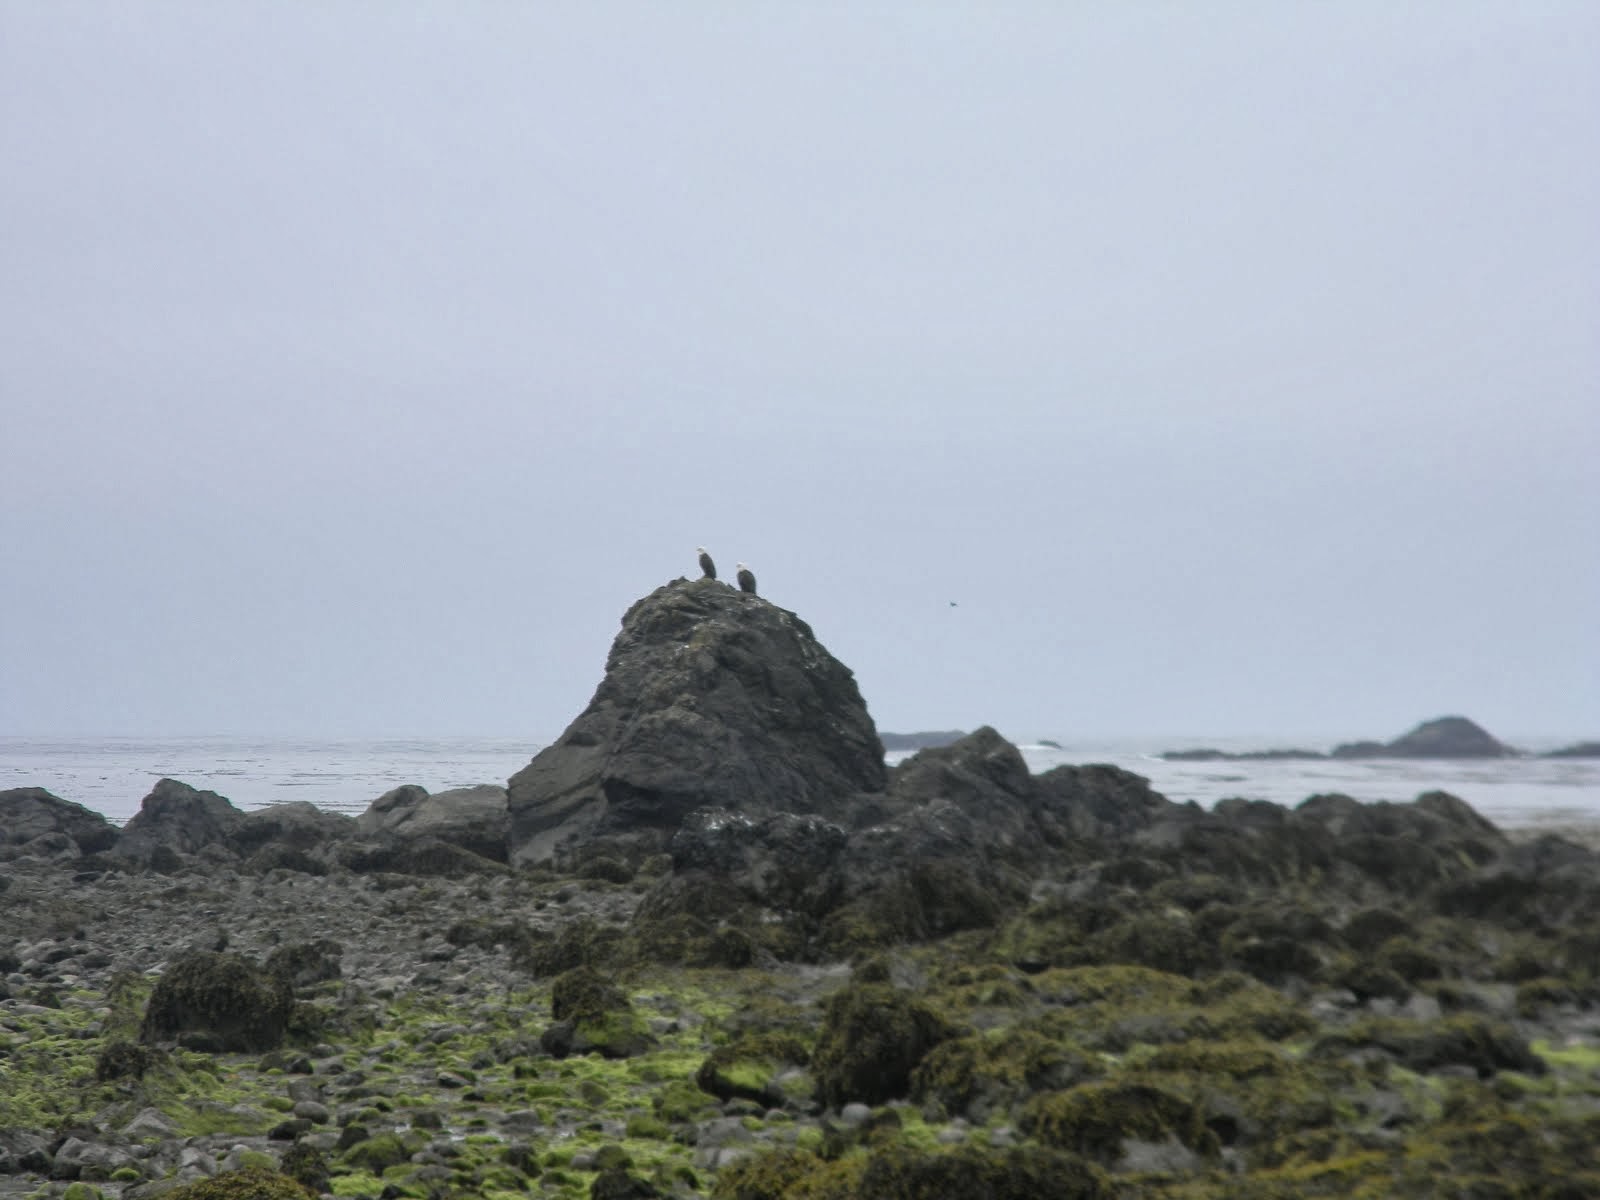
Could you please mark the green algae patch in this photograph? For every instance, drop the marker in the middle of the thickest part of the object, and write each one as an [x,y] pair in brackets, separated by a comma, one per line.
[356,1183]
[1583,1057]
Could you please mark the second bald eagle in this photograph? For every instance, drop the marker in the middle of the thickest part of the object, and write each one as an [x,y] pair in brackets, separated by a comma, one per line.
[747,579]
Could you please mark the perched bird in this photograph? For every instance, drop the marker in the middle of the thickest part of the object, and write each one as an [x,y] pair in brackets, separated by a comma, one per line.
[747,580]
[708,568]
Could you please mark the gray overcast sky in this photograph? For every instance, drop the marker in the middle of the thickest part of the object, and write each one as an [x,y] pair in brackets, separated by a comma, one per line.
[1235,367]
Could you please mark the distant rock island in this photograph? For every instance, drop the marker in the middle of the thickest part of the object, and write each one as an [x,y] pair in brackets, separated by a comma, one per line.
[1443,737]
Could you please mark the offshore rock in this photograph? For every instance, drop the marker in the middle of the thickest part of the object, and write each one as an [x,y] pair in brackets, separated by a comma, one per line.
[711,698]
[1446,737]
[31,812]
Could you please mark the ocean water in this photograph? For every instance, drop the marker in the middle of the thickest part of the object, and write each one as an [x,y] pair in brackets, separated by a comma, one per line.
[113,775]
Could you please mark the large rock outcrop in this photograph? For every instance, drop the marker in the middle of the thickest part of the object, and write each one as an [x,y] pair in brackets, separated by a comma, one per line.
[711,697]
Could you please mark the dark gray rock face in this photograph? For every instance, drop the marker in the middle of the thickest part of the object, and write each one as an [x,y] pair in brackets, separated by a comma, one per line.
[176,817]
[29,813]
[782,861]
[473,818]
[1446,737]
[711,697]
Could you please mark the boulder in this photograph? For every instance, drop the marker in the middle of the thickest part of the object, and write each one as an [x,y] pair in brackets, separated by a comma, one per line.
[176,817]
[474,818]
[218,1001]
[1445,737]
[31,812]
[711,698]
[872,1039]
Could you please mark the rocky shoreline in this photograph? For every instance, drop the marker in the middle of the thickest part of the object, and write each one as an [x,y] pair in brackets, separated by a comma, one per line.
[678,958]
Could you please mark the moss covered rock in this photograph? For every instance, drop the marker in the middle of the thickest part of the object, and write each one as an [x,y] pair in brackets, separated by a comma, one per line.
[1095,1119]
[223,999]
[593,1015]
[251,1183]
[980,1075]
[872,1039]
[745,1068]
[1466,1039]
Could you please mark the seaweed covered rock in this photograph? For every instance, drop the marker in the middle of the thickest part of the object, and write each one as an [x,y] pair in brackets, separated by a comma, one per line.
[978,1076]
[1098,1119]
[1464,1040]
[873,1037]
[747,1068]
[711,697]
[249,1183]
[1020,1173]
[1547,883]
[218,1001]
[31,812]
[592,1015]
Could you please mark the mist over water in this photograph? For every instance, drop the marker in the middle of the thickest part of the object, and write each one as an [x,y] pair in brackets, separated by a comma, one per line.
[113,775]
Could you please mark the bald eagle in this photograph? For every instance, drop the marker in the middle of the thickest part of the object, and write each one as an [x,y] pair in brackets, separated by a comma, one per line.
[747,580]
[708,569]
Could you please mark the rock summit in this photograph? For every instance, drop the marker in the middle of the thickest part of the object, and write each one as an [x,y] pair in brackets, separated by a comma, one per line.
[711,698]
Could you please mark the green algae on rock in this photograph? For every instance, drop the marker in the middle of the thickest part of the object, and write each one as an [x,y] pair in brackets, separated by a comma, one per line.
[221,998]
